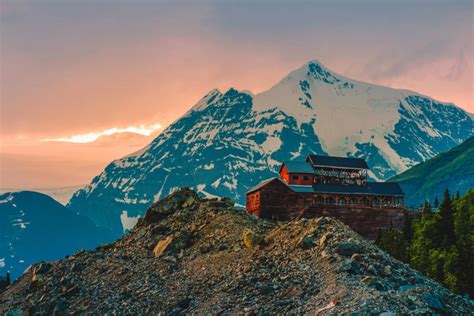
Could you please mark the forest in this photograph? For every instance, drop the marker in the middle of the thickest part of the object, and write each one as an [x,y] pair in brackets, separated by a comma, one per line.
[439,242]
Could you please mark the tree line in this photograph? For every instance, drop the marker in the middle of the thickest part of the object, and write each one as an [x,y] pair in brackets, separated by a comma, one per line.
[439,243]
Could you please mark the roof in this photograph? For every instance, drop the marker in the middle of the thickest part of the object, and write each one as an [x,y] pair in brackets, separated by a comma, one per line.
[298,167]
[338,162]
[262,184]
[372,188]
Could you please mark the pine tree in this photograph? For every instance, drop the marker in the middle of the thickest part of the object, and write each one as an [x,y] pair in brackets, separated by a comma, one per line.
[440,245]
[464,229]
[392,242]
[421,244]
[446,221]
[436,202]
[458,196]
[407,227]
[427,209]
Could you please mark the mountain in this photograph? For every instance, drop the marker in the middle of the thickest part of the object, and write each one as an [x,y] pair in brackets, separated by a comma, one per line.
[199,257]
[453,169]
[229,142]
[60,194]
[35,227]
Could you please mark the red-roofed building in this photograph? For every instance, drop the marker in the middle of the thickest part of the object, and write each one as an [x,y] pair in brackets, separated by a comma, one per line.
[329,186]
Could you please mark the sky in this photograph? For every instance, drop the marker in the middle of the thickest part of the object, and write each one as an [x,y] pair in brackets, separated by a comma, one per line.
[77,70]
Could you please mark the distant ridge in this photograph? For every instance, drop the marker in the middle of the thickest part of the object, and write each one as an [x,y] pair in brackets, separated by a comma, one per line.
[35,227]
[453,169]
[60,194]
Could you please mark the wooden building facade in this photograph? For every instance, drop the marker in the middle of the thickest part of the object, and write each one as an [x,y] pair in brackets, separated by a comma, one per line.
[329,186]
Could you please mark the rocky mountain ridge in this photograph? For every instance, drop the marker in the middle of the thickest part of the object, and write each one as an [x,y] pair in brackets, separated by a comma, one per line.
[190,255]
[229,142]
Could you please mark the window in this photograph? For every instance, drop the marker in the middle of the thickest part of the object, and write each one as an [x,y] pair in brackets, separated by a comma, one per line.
[306,178]
[294,177]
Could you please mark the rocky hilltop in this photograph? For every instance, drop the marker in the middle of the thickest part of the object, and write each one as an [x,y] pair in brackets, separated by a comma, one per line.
[193,255]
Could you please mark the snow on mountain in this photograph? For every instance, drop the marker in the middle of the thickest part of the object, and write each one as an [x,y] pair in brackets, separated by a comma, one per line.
[230,141]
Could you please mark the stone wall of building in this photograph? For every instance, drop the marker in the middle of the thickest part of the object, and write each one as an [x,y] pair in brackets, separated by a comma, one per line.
[279,203]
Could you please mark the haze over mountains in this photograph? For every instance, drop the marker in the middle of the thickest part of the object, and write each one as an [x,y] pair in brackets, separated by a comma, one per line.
[32,164]
[230,141]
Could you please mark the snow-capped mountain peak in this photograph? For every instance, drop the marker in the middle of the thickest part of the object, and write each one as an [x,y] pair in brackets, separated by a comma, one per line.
[210,97]
[230,141]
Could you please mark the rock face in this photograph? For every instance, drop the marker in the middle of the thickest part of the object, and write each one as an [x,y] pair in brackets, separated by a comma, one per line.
[301,267]
[229,142]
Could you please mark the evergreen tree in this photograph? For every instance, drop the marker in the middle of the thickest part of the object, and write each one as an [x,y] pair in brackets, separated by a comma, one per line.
[422,243]
[392,242]
[427,209]
[446,221]
[457,197]
[440,245]
[464,229]
[436,202]
[407,227]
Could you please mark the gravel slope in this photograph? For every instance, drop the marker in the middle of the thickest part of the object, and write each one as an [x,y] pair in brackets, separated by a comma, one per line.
[195,256]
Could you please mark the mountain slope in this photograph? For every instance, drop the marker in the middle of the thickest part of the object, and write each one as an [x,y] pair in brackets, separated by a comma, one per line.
[229,142]
[35,227]
[453,169]
[60,194]
[195,256]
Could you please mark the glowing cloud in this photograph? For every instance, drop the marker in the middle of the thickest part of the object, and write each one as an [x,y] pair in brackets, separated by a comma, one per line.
[145,130]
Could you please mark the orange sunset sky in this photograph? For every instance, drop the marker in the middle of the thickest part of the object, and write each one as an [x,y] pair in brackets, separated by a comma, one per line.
[102,78]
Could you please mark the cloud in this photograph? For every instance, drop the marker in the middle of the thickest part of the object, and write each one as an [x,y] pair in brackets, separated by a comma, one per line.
[145,130]
[394,63]
[459,68]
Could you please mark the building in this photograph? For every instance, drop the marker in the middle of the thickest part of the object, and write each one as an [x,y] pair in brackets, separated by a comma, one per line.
[329,186]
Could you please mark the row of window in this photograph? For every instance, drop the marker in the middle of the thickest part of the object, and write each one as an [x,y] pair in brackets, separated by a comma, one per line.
[295,177]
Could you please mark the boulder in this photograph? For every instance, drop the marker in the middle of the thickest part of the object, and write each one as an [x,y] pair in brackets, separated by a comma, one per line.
[42,268]
[182,198]
[434,301]
[323,239]
[306,242]
[347,248]
[250,238]
[373,282]
[351,266]
[162,245]
[228,201]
